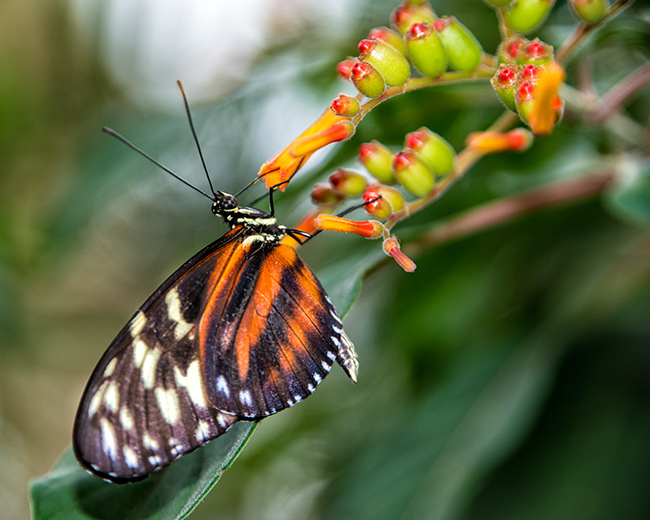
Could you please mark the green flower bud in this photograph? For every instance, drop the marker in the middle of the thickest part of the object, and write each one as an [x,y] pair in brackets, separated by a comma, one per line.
[387,60]
[535,53]
[378,160]
[406,15]
[345,106]
[413,172]
[390,37]
[497,3]
[324,194]
[590,11]
[526,15]
[509,49]
[432,148]
[348,182]
[504,82]
[464,52]
[367,79]
[524,99]
[425,49]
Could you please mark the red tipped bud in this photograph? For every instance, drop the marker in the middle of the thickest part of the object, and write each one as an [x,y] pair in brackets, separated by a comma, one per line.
[504,83]
[524,95]
[344,68]
[426,50]
[590,11]
[407,14]
[526,15]
[392,195]
[325,194]
[389,36]
[391,248]
[432,148]
[516,140]
[535,53]
[376,205]
[368,80]
[348,182]
[365,228]
[508,50]
[387,60]
[345,106]
[464,52]
[378,160]
[413,172]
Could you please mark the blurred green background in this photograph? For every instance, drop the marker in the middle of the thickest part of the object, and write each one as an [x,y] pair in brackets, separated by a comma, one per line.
[508,377]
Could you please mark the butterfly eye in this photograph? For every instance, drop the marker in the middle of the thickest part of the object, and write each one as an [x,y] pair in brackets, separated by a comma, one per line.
[229,203]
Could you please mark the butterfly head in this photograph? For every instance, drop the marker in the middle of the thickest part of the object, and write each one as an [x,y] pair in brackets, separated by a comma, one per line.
[223,204]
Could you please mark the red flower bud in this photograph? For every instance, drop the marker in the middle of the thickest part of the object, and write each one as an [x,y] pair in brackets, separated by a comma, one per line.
[387,60]
[389,36]
[368,80]
[413,172]
[464,52]
[433,149]
[426,50]
[378,160]
[348,182]
[345,106]
[407,14]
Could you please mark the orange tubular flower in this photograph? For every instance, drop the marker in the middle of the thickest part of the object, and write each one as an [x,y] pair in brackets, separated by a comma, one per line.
[547,106]
[365,228]
[391,248]
[327,129]
[516,140]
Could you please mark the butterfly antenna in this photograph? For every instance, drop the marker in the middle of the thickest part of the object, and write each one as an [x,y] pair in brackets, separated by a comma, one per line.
[128,143]
[196,139]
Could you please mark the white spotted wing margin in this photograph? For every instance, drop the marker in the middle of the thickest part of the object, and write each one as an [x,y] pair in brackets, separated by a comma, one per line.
[145,405]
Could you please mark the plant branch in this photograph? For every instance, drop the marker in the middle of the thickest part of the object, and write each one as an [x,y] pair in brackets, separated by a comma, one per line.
[619,94]
[570,46]
[506,209]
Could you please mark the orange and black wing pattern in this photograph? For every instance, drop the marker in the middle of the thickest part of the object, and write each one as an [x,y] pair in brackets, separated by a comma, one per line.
[241,331]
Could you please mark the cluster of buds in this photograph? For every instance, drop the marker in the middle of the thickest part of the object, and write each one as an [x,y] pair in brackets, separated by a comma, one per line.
[425,158]
[517,82]
[523,15]
[430,43]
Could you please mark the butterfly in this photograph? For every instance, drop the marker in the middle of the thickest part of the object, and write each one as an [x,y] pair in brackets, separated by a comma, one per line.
[241,331]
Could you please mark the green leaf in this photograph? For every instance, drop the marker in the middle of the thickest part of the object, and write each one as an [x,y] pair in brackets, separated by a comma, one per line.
[71,493]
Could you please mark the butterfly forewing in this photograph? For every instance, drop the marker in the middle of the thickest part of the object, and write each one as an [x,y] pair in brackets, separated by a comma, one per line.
[145,404]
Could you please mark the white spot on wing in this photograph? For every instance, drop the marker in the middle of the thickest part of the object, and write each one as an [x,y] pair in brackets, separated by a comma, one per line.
[110,367]
[317,377]
[325,366]
[182,327]
[137,324]
[245,398]
[96,400]
[139,351]
[202,431]
[331,355]
[336,341]
[192,383]
[130,457]
[148,442]
[336,329]
[126,418]
[108,438]
[221,419]
[112,397]
[168,404]
[222,386]
[149,364]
